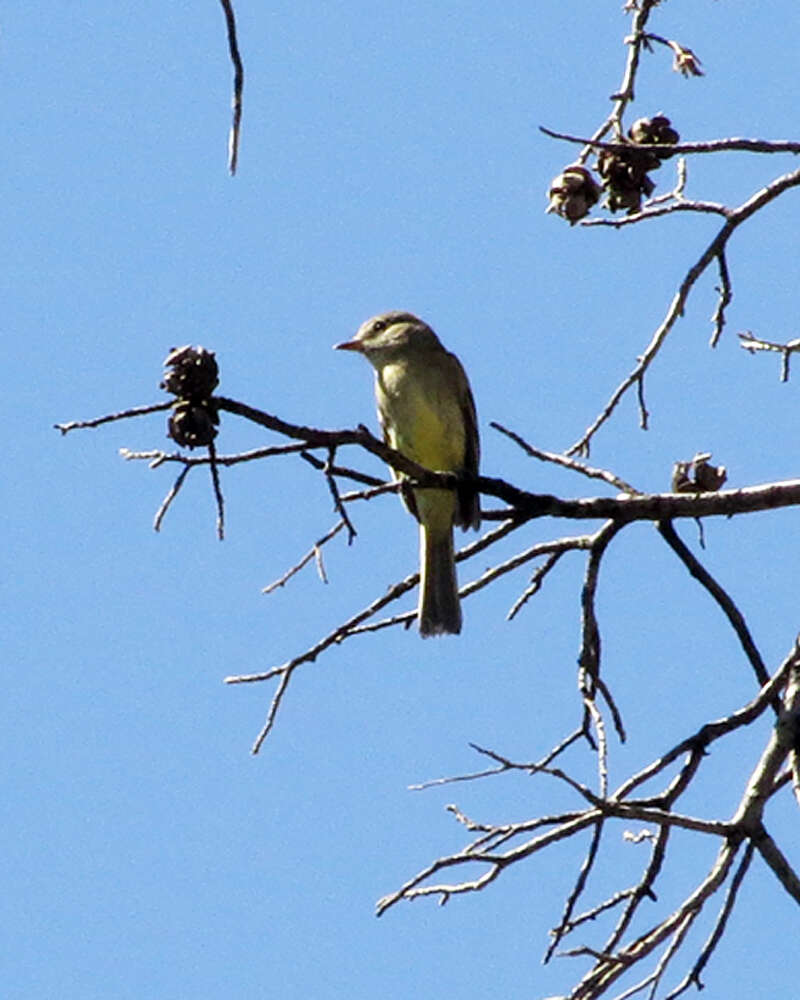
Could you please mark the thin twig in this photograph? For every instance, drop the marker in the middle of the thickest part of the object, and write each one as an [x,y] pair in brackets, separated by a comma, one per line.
[135,411]
[725,296]
[345,472]
[504,764]
[644,413]
[616,715]
[635,41]
[566,462]
[678,937]
[556,547]
[212,455]
[735,217]
[693,976]
[285,671]
[608,970]
[753,344]
[372,492]
[406,618]
[167,501]
[338,506]
[238,84]
[575,894]
[568,826]
[535,584]
[644,890]
[698,742]
[313,553]
[667,531]
[651,210]
[589,656]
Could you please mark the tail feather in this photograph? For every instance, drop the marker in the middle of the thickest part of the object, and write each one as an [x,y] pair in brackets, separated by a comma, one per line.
[439,605]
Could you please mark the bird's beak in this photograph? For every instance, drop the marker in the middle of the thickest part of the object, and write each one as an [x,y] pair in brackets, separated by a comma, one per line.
[349,345]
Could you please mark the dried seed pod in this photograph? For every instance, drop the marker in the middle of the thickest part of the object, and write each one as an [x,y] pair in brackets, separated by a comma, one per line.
[624,175]
[192,426]
[192,373]
[654,131]
[573,193]
[685,62]
[697,476]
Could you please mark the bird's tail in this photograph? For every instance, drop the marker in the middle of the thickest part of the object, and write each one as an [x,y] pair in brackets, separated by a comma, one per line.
[439,606]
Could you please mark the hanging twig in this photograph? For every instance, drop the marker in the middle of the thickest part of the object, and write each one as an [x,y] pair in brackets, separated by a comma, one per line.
[238,84]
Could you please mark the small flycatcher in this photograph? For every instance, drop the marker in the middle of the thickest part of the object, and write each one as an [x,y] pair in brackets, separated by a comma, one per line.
[427,412]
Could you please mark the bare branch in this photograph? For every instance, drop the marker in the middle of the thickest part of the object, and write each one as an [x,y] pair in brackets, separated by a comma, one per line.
[347,473]
[315,552]
[238,84]
[693,977]
[525,505]
[650,507]
[157,456]
[167,501]
[568,825]
[653,211]
[625,95]
[136,411]
[555,549]
[779,863]
[338,506]
[504,764]
[534,586]
[212,455]
[753,344]
[608,969]
[714,250]
[566,462]
[738,624]
[697,744]
[339,634]
[644,890]
[725,296]
[376,491]
[732,145]
[783,740]
[589,656]
[580,884]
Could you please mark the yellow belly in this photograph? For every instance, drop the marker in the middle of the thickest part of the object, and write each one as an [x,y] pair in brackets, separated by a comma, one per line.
[422,416]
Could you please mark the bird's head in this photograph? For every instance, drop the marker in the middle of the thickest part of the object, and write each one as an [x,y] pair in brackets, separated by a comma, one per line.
[391,334]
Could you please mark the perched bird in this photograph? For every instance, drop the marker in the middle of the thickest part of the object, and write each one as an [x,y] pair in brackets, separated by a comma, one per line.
[427,412]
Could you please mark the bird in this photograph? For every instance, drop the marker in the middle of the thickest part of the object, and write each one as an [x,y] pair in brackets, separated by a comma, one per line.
[427,412]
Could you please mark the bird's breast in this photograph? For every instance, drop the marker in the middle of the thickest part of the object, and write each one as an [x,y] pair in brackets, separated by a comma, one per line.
[421,413]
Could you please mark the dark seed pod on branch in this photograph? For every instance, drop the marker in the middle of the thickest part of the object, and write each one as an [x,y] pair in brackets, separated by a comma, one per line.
[573,193]
[625,171]
[654,131]
[624,176]
[192,375]
[193,426]
[697,476]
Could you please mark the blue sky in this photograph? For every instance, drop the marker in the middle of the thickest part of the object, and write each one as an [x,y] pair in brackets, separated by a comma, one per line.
[390,158]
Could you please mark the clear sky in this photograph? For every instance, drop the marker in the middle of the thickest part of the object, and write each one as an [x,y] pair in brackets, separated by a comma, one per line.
[390,158]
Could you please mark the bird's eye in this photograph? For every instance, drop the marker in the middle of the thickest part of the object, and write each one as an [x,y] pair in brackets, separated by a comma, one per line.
[378,325]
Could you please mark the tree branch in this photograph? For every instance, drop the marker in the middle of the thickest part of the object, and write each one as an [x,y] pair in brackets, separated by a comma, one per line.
[238,84]
[714,250]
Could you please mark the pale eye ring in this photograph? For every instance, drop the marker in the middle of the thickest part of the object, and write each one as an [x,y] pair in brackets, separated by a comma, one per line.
[378,325]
